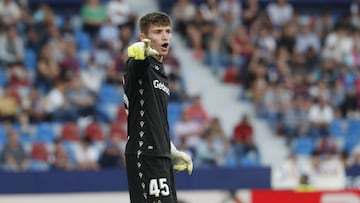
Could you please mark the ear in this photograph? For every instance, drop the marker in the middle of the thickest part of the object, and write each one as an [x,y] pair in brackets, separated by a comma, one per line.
[142,36]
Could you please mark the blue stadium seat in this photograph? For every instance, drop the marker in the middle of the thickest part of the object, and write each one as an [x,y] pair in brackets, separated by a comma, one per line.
[3,135]
[45,133]
[336,128]
[59,21]
[350,141]
[83,40]
[36,165]
[69,147]
[174,113]
[250,160]
[3,77]
[110,94]
[353,126]
[30,59]
[304,146]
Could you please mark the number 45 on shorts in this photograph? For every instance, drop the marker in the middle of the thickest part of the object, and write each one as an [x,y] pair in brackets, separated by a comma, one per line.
[159,187]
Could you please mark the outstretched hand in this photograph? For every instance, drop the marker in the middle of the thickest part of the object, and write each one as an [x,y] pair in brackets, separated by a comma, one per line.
[140,50]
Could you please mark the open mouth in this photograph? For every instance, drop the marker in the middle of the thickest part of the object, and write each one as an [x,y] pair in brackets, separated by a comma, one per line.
[165,45]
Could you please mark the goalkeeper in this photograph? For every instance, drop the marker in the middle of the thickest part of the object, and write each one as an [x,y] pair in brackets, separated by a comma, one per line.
[150,155]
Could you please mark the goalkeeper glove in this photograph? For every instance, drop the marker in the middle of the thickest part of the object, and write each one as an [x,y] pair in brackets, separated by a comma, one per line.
[140,50]
[181,160]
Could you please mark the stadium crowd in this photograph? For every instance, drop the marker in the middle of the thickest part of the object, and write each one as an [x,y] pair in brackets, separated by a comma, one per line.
[299,69]
[61,82]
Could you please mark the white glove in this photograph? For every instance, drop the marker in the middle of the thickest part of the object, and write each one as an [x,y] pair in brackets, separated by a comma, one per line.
[181,160]
[140,50]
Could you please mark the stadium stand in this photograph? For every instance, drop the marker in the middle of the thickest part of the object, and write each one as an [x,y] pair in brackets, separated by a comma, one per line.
[262,55]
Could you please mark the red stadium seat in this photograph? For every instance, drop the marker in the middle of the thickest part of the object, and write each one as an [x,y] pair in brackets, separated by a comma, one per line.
[70,132]
[39,152]
[94,131]
[117,129]
[121,114]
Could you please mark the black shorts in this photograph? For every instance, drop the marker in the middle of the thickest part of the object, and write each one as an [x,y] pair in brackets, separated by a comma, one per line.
[150,179]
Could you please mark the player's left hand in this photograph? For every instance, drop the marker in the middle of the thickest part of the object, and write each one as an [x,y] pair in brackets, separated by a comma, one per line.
[182,161]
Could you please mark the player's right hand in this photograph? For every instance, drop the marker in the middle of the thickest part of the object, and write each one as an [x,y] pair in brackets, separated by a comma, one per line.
[140,50]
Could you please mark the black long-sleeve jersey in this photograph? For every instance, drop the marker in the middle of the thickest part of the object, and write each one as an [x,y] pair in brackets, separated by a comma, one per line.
[146,95]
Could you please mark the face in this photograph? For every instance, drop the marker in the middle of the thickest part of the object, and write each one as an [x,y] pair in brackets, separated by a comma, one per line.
[160,37]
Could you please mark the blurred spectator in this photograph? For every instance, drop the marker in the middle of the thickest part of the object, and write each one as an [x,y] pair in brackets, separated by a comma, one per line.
[337,95]
[355,13]
[173,69]
[57,105]
[324,25]
[34,41]
[86,155]
[67,30]
[210,151]
[280,12]
[8,105]
[274,100]
[251,11]
[287,39]
[265,42]
[108,34]
[182,13]
[320,115]
[338,44]
[307,39]
[354,158]
[188,129]
[216,50]
[11,47]
[241,47]
[295,119]
[320,89]
[35,106]
[344,158]
[217,128]
[113,155]
[47,69]
[352,59]
[197,112]
[115,72]
[231,14]
[304,184]
[60,159]
[209,11]
[199,31]
[56,41]
[125,38]
[24,127]
[70,64]
[10,12]
[13,155]
[80,98]
[92,76]
[243,136]
[93,14]
[18,77]
[43,18]
[120,14]
[23,4]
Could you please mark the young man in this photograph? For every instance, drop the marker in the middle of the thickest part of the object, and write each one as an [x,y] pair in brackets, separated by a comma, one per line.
[150,155]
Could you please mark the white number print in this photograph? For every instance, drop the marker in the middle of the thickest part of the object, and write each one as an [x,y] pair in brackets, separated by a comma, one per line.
[159,186]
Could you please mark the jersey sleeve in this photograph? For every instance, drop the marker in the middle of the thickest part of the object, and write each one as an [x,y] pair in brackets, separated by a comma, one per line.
[137,67]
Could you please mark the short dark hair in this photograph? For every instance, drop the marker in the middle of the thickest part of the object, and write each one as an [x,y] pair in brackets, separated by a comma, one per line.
[154,18]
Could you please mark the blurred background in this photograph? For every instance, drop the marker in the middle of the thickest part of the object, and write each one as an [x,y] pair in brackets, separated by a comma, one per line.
[265,96]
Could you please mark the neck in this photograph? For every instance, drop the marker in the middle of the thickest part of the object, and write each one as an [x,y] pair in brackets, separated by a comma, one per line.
[159,58]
